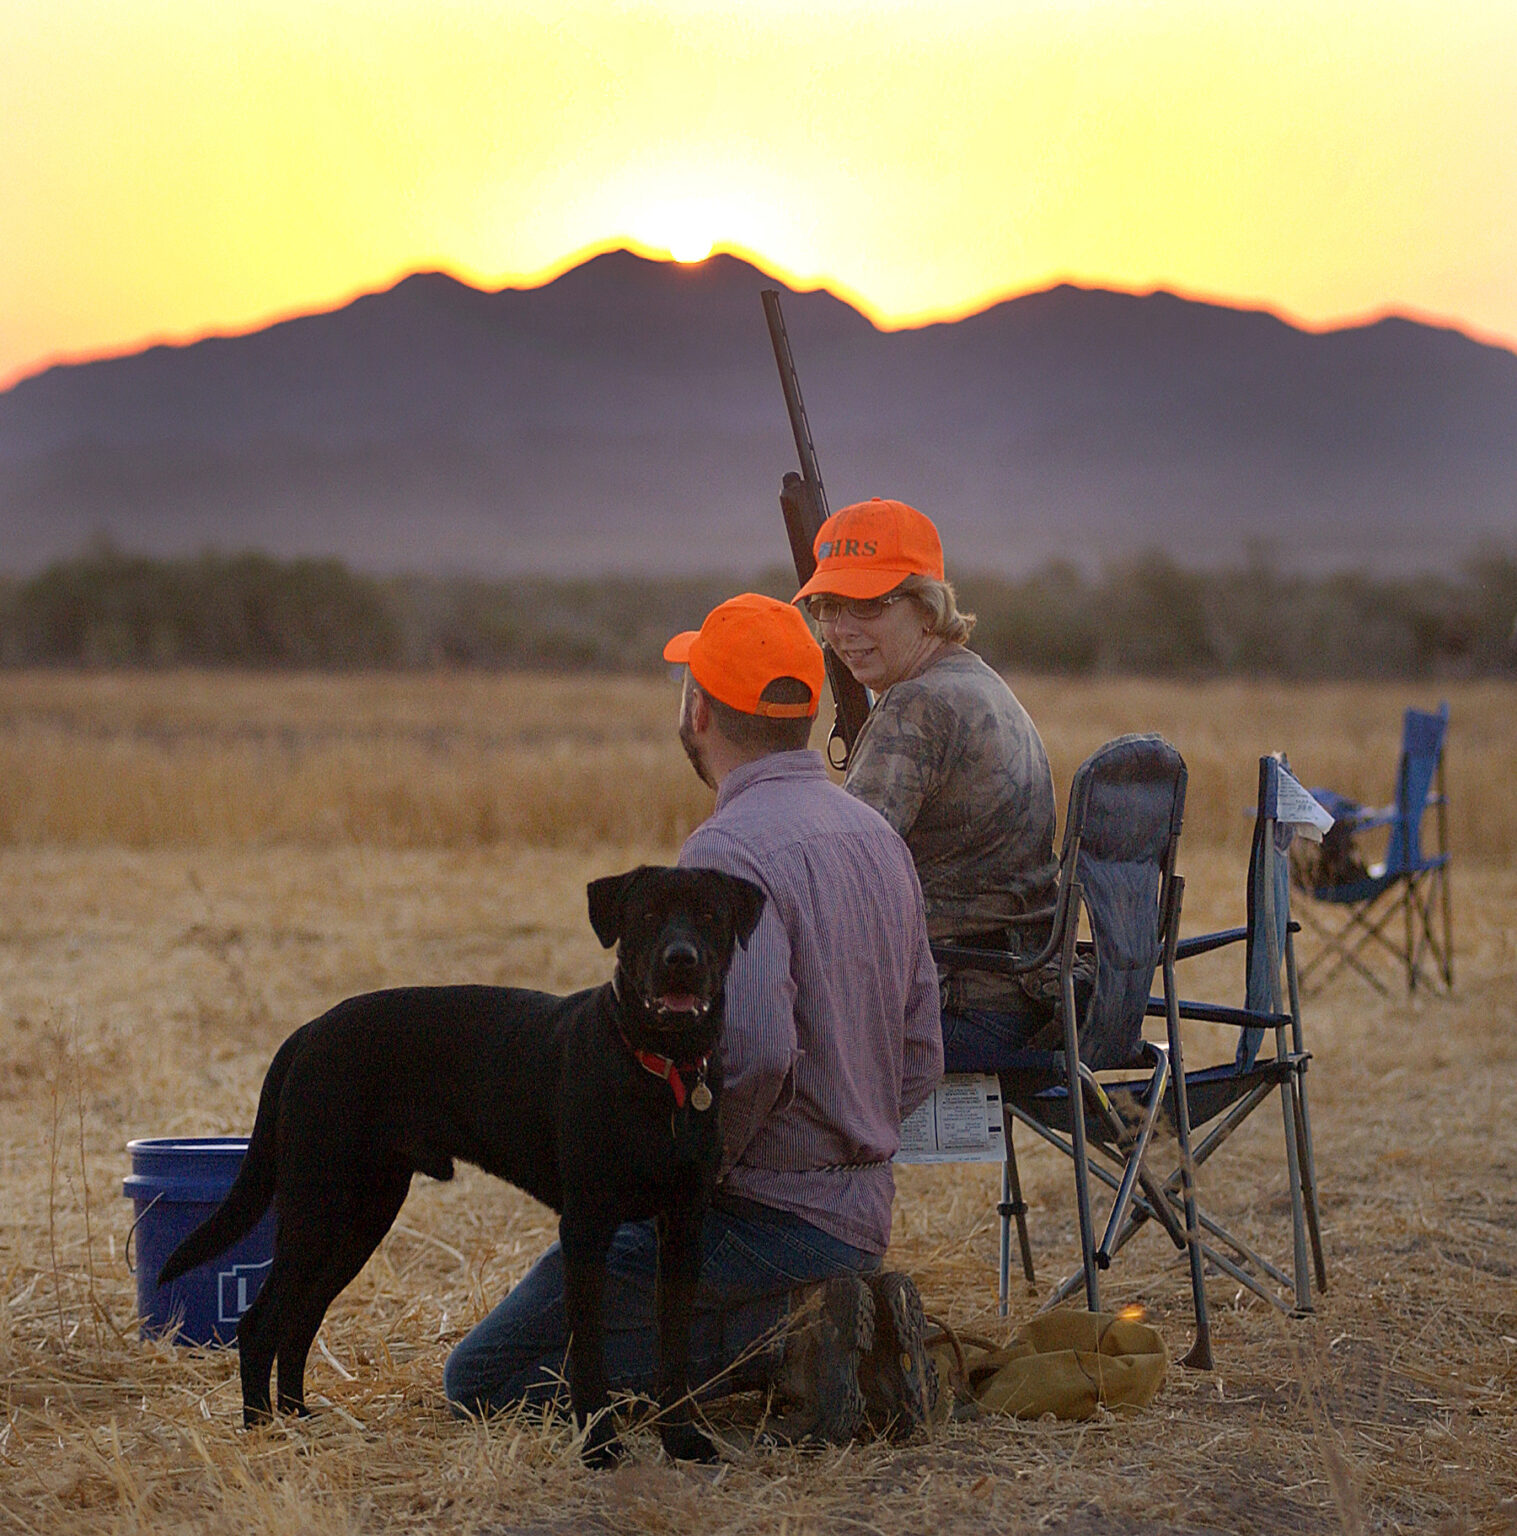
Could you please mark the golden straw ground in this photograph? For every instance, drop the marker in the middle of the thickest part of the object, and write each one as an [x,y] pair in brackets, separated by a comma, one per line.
[192,865]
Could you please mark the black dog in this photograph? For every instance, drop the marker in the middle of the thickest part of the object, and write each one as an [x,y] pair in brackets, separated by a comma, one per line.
[602,1105]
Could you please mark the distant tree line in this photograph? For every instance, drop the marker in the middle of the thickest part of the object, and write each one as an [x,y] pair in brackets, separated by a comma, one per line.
[106,608]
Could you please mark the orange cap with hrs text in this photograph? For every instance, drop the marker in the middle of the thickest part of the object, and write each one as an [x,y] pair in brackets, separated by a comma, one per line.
[867,549]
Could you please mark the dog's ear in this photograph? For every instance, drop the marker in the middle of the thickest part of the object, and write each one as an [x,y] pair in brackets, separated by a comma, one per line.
[745,900]
[606,906]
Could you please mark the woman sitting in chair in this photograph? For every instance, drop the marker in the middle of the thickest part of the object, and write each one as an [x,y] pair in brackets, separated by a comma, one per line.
[950,759]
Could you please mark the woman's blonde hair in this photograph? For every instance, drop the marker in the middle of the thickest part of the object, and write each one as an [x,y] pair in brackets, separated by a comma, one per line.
[940,603]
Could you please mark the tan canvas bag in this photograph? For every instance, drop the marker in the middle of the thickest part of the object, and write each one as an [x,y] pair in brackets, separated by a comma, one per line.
[1064,1363]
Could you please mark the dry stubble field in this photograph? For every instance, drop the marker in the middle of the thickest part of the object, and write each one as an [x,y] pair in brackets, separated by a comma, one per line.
[193,865]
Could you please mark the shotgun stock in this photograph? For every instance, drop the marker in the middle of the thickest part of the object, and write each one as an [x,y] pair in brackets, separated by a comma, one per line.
[803,503]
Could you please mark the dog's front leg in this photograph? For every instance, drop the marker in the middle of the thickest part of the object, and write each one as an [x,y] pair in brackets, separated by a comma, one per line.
[585,1245]
[679,1267]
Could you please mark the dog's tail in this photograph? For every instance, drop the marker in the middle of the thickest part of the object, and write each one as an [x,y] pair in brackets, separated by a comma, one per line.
[252,1189]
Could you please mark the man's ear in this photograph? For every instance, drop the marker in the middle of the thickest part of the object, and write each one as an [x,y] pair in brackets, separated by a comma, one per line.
[700,706]
[606,906]
[745,900]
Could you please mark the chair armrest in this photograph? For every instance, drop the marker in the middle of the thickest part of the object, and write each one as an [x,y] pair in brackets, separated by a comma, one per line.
[959,957]
[1204,943]
[1370,818]
[972,957]
[1216,1013]
[1042,915]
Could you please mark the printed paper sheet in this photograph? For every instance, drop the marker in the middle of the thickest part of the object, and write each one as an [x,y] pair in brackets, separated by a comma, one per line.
[960,1123]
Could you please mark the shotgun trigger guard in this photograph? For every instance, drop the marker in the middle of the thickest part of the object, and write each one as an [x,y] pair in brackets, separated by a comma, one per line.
[837,749]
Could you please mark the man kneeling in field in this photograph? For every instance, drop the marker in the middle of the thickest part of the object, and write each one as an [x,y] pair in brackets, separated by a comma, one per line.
[831,1038]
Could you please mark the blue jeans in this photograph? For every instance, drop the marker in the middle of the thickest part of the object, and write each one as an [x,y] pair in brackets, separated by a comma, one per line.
[753,1257]
[984,1040]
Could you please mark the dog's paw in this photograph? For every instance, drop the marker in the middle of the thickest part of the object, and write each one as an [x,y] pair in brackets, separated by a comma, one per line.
[604,1456]
[602,1449]
[684,1442]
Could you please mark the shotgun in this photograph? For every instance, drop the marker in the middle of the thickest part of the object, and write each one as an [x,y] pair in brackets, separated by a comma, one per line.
[803,504]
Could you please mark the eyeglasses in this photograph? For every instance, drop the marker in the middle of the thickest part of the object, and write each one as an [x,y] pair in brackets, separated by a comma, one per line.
[828,610]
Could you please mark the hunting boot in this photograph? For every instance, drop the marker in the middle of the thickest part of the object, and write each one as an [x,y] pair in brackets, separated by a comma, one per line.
[897,1376]
[830,1332]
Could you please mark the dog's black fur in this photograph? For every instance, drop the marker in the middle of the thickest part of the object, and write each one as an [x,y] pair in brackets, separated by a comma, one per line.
[543,1091]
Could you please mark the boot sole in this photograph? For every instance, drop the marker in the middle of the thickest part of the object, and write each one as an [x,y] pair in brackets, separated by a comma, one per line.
[848,1315]
[899,1378]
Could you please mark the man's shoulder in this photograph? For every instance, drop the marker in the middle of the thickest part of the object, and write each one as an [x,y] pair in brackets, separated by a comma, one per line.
[769,805]
[784,812]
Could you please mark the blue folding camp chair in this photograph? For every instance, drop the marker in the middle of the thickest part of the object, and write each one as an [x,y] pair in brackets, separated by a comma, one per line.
[1117,866]
[1409,881]
[1222,1097]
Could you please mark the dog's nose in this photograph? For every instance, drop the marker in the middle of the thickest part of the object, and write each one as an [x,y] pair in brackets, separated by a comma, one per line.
[681,955]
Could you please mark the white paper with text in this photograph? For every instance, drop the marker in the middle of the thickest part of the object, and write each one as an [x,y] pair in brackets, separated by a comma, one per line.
[1295,805]
[960,1123]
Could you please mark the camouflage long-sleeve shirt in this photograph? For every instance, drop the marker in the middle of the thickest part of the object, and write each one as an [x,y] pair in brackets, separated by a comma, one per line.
[954,763]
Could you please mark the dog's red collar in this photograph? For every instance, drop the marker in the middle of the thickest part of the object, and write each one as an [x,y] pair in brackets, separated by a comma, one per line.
[666,1067]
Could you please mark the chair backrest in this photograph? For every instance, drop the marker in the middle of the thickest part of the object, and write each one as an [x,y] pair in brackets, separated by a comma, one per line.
[1421,746]
[1268,906]
[1126,805]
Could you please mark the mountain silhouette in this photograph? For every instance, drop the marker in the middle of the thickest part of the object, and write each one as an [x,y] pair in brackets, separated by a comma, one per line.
[627,417]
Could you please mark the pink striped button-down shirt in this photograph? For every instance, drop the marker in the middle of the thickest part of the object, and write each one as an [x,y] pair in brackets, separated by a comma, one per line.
[832,1034]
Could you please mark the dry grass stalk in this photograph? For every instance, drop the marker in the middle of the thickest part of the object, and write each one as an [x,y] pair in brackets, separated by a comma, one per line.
[180,967]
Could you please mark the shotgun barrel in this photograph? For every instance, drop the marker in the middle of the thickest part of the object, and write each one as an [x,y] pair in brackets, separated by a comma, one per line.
[803,503]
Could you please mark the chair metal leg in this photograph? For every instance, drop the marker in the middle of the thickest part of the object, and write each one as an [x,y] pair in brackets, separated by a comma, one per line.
[1098,1105]
[1134,1171]
[1003,1246]
[1431,900]
[1288,1110]
[1076,1107]
[1013,1205]
[1082,1197]
[1199,1357]
[1275,927]
[1309,1184]
[1446,903]
[1445,893]
[1408,907]
[1304,1119]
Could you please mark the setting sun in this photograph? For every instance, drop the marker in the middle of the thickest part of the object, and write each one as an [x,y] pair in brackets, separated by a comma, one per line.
[690,242]
[690,247]
[687,228]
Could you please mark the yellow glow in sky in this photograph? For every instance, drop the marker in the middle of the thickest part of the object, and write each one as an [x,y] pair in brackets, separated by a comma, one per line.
[174,166]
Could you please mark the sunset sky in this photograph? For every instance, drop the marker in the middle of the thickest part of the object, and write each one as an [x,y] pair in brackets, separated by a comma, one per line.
[173,167]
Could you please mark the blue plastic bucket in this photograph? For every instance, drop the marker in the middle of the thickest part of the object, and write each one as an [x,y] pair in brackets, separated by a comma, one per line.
[175,1183]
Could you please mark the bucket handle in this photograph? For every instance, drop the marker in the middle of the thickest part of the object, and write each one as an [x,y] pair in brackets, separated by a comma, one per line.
[131,1268]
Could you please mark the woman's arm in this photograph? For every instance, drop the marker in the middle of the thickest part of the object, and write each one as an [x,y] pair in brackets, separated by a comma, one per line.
[899,759]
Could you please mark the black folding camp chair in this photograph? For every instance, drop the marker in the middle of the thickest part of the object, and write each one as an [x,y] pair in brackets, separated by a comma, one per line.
[1117,866]
[1408,882]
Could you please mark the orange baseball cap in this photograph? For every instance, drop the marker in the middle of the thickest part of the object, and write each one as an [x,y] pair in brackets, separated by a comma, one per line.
[866,549]
[744,645]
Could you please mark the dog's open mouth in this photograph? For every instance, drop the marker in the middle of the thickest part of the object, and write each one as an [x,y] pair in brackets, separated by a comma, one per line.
[680,1002]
